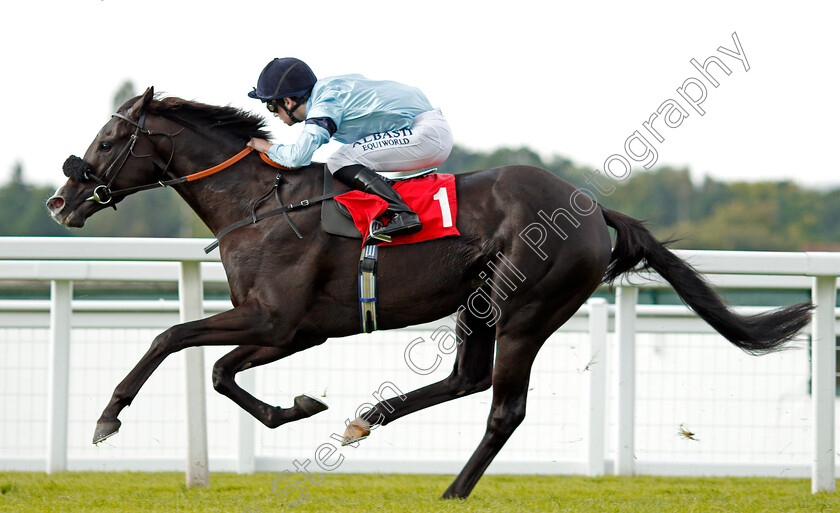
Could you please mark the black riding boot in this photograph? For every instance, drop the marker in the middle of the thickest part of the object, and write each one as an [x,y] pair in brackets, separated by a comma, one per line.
[403,221]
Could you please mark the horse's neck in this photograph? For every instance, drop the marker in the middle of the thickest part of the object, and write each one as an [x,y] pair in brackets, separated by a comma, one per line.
[229,196]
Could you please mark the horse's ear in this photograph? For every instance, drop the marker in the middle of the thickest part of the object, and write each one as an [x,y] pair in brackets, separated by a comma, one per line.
[140,105]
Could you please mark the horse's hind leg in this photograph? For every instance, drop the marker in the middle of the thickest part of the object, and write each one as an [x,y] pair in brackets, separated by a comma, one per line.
[510,390]
[519,338]
[472,373]
[248,357]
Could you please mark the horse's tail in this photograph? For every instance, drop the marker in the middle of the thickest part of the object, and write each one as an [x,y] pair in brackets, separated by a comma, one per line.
[758,334]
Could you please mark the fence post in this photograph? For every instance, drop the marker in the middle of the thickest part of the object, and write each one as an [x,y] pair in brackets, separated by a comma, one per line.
[61,297]
[191,296]
[597,397]
[823,382]
[245,463]
[625,327]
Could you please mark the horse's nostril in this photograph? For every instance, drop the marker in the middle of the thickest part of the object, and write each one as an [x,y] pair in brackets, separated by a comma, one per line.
[55,204]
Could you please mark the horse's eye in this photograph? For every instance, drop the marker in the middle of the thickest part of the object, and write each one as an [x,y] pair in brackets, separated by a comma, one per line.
[105,146]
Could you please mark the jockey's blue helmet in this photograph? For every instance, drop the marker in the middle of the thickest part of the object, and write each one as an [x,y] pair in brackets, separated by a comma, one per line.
[284,78]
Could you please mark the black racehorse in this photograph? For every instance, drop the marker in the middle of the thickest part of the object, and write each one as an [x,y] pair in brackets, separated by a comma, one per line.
[532,249]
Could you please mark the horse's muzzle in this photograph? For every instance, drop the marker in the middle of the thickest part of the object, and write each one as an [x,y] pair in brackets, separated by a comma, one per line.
[68,211]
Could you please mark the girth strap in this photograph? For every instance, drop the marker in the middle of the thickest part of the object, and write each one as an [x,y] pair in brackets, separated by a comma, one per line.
[367,284]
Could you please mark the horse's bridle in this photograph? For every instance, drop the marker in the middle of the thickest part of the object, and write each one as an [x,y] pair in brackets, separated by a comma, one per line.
[82,171]
[102,193]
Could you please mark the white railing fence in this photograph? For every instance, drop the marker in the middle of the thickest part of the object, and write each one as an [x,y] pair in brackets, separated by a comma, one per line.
[608,366]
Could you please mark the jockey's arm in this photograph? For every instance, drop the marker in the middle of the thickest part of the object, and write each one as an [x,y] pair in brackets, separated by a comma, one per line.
[261,145]
[294,155]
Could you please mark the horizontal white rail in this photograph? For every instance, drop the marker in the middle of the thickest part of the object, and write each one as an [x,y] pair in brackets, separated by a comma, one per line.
[213,272]
[106,248]
[93,313]
[809,263]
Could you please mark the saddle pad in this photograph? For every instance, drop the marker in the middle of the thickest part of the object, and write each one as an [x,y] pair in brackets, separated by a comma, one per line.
[431,196]
[335,219]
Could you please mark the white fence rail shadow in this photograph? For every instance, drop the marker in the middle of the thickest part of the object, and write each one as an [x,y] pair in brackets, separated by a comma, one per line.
[610,391]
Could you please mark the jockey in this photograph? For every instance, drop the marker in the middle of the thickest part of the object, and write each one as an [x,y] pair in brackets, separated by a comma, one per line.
[385,126]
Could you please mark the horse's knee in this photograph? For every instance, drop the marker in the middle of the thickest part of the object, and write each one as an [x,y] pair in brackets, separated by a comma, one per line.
[221,377]
[162,344]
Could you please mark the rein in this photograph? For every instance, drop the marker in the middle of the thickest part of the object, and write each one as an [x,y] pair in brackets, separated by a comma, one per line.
[189,178]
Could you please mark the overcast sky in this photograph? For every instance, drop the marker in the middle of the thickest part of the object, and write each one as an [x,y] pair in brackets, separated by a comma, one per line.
[570,79]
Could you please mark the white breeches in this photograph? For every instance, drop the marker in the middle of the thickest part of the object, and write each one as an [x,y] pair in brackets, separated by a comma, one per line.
[427,142]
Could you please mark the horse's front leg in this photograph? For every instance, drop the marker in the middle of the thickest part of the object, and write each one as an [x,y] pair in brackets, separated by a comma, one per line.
[248,357]
[242,325]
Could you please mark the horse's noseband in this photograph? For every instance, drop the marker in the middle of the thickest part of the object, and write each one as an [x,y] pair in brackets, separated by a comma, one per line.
[77,169]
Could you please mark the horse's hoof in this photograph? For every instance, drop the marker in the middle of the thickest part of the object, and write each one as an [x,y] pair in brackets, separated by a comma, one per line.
[310,405]
[451,496]
[105,428]
[356,431]
[450,493]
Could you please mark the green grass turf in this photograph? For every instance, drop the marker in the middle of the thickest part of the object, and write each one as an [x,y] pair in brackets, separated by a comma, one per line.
[165,492]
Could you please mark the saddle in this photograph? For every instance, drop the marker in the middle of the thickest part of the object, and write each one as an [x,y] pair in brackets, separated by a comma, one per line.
[336,218]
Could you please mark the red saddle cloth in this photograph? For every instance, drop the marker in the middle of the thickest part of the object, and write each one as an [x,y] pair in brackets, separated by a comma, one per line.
[431,196]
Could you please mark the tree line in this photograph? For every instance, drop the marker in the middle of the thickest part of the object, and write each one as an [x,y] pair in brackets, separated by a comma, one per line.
[778,216]
[770,216]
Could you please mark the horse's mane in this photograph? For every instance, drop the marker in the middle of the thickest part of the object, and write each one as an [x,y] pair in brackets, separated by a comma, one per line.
[239,123]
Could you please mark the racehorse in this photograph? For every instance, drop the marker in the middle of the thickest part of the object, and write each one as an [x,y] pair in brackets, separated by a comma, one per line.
[545,244]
